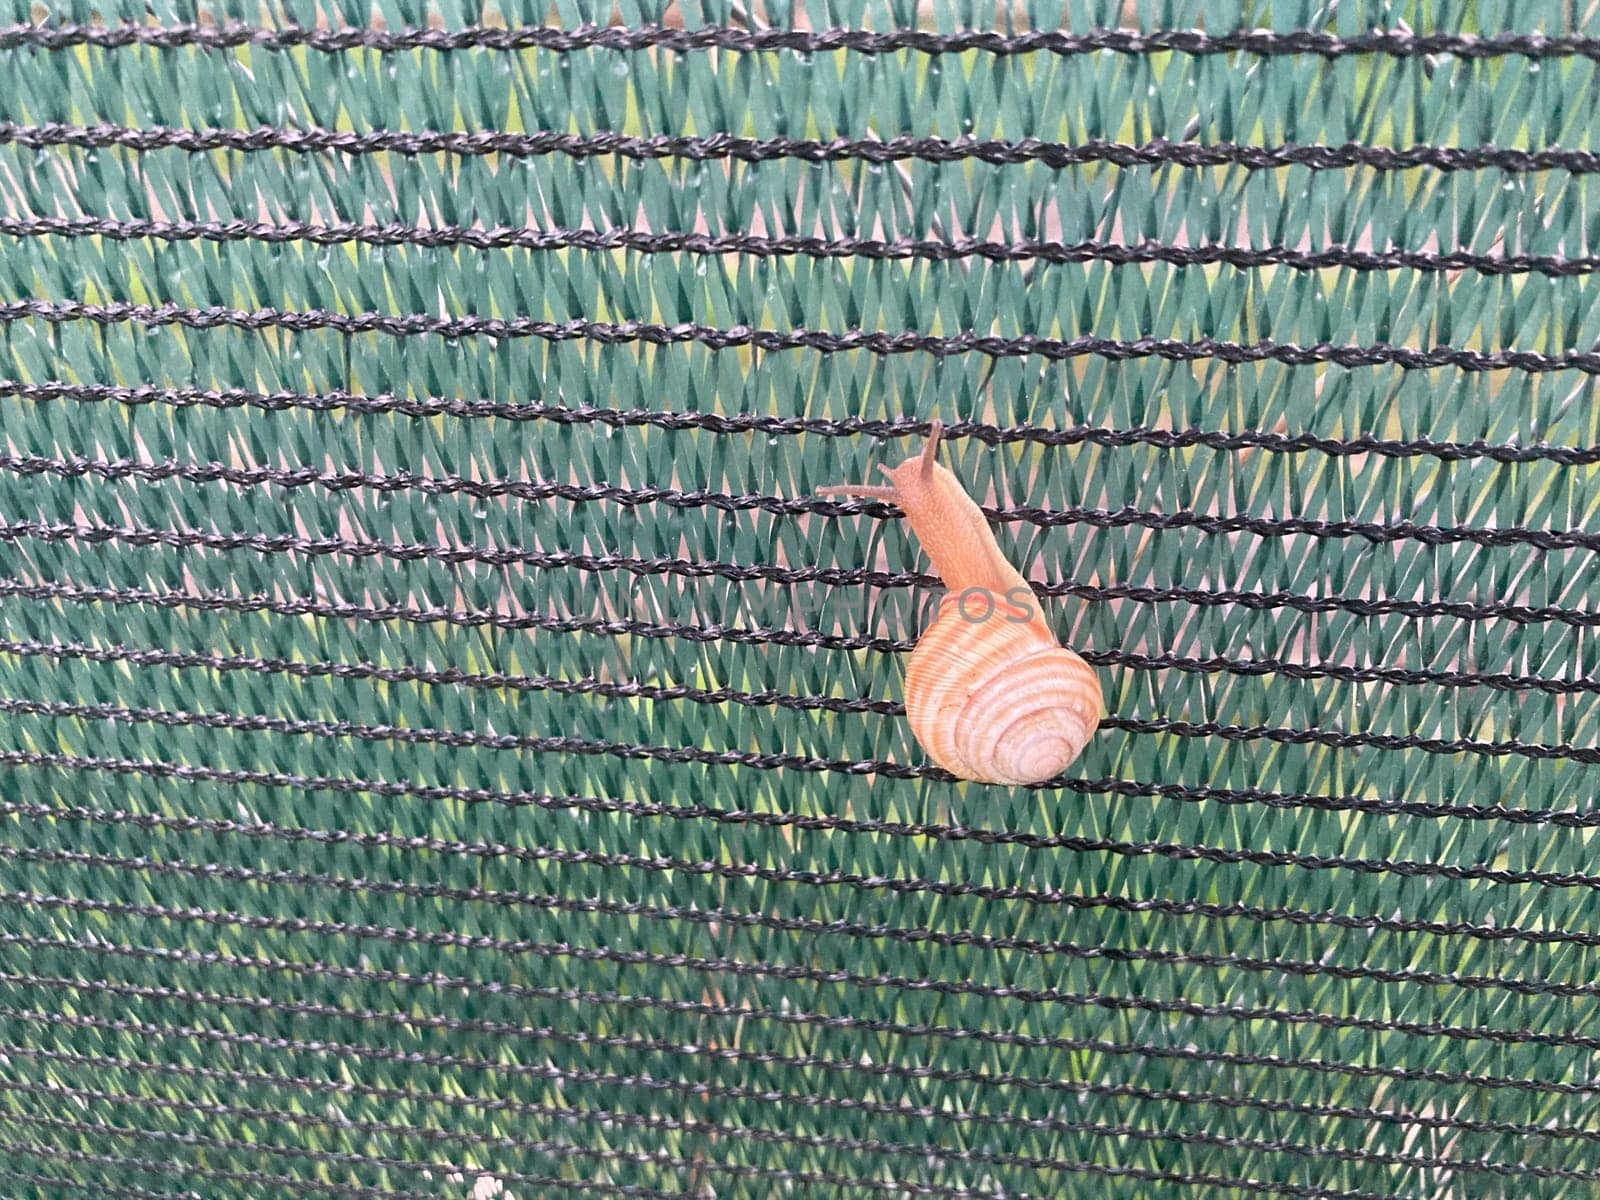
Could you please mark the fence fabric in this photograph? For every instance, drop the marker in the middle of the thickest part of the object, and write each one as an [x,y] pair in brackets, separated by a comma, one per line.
[447,747]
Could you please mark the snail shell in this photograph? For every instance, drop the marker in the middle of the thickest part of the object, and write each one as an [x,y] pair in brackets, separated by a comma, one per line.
[990,694]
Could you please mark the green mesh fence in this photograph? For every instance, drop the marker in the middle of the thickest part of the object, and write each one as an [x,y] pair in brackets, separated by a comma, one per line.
[449,749]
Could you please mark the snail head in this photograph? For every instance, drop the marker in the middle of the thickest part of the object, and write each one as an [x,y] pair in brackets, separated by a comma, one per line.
[915,475]
[952,529]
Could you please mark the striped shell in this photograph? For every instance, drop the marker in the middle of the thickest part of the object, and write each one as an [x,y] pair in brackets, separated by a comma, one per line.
[990,694]
[996,700]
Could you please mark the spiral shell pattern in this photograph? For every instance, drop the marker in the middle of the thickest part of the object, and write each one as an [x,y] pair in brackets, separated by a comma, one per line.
[997,699]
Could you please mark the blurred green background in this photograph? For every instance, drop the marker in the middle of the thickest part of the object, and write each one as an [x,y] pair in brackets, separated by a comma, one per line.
[494,835]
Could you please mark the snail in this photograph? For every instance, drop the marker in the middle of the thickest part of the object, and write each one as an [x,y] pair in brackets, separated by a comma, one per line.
[991,695]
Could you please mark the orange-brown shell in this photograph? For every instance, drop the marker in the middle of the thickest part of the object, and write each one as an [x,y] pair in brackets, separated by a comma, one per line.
[990,694]
[996,700]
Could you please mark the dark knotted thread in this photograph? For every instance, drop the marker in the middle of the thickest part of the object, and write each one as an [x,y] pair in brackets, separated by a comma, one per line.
[212,601]
[772,426]
[1185,1054]
[490,488]
[1074,901]
[909,886]
[889,1070]
[146,657]
[687,755]
[500,1104]
[633,1044]
[780,1176]
[579,1116]
[787,1016]
[1185,793]
[761,1136]
[1178,852]
[305,1085]
[1393,43]
[262,1182]
[879,342]
[500,237]
[912,886]
[714,147]
[123,1191]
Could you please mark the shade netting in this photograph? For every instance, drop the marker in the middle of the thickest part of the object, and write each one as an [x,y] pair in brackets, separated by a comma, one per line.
[448,749]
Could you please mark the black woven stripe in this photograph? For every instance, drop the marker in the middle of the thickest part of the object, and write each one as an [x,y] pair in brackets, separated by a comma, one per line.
[449,677]
[299,1184]
[211,601]
[466,619]
[785,1016]
[1343,740]
[1569,819]
[501,237]
[55,1017]
[1520,614]
[72,1187]
[1180,852]
[1266,43]
[683,755]
[735,919]
[163,470]
[632,689]
[284,877]
[732,1054]
[912,886]
[464,553]
[1187,793]
[554,1148]
[772,426]
[798,1018]
[782,1177]
[230,1078]
[579,1116]
[725,146]
[1175,908]
[878,342]
[457,554]
[300,1084]
[640,1045]
[1378,533]
[599,1155]
[758,1136]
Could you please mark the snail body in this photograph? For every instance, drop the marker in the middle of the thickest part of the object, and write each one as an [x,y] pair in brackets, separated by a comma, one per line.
[990,694]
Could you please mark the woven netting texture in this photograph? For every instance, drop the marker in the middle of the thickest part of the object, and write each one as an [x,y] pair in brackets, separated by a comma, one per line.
[448,749]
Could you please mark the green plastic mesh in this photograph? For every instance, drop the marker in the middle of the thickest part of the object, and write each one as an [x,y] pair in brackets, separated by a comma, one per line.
[449,750]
